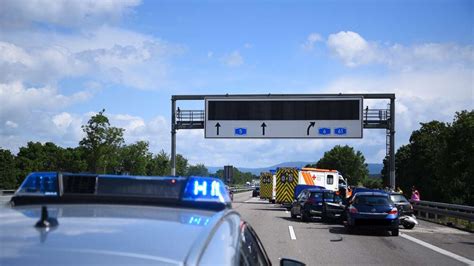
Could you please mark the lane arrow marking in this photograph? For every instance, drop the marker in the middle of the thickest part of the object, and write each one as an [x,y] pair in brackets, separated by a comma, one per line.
[311,124]
[263,128]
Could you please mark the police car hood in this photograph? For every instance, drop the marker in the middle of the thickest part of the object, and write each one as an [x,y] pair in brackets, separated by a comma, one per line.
[101,235]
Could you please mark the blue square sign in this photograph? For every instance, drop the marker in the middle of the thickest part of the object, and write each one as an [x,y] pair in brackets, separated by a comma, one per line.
[240,131]
[340,131]
[324,131]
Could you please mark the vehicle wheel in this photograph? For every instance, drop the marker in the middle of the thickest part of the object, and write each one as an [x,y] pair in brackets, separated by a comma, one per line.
[293,216]
[304,217]
[349,228]
[324,218]
[395,232]
[408,226]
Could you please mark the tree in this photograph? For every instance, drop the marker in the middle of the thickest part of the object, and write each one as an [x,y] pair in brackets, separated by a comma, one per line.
[458,160]
[101,143]
[159,165]
[181,165]
[349,163]
[197,170]
[135,158]
[8,170]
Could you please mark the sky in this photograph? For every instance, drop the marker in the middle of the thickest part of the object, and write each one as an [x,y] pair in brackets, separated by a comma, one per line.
[63,61]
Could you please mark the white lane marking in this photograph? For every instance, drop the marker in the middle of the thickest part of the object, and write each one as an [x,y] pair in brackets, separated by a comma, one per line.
[439,250]
[292,232]
[249,200]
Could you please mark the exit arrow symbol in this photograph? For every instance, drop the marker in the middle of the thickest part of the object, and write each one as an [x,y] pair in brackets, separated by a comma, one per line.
[263,128]
[311,124]
[217,127]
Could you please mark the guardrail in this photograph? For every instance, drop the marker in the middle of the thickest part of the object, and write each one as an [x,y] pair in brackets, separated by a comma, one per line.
[8,192]
[452,214]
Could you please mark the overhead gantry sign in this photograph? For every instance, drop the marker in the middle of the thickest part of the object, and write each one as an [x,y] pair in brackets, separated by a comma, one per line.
[296,116]
[276,117]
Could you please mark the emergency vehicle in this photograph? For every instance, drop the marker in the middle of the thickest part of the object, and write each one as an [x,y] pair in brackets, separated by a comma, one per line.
[286,181]
[266,186]
[329,179]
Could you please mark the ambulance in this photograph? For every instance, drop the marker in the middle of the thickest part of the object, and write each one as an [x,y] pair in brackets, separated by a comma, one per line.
[266,185]
[329,179]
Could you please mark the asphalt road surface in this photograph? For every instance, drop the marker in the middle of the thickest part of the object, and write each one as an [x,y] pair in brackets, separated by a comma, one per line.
[322,243]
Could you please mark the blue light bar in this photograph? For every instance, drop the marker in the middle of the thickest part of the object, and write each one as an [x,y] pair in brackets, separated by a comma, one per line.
[40,184]
[205,189]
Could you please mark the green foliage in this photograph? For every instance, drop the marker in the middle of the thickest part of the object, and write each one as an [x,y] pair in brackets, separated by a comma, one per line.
[102,144]
[350,163]
[239,178]
[135,158]
[197,170]
[371,182]
[159,165]
[8,171]
[439,161]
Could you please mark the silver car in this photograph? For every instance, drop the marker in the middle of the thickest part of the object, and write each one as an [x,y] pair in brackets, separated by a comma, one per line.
[67,219]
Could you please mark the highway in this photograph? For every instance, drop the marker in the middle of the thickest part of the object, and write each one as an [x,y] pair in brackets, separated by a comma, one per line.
[318,243]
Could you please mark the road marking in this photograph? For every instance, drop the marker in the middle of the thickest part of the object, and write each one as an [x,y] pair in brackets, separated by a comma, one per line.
[249,200]
[439,250]
[292,232]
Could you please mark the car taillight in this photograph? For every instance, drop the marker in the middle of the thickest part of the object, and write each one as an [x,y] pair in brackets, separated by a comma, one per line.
[353,210]
[393,211]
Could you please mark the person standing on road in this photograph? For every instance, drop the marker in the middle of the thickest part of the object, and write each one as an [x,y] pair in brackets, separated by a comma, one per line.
[415,195]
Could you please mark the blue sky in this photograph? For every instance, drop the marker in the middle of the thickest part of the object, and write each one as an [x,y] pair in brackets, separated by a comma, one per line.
[61,61]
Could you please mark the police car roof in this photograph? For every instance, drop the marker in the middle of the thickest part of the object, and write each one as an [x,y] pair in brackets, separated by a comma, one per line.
[106,234]
[60,188]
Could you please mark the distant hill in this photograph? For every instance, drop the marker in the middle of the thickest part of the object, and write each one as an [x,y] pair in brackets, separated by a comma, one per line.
[374,168]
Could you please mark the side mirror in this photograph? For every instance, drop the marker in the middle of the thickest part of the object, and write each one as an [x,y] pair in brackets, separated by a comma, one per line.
[290,262]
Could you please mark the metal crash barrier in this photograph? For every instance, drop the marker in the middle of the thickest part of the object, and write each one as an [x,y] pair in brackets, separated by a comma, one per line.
[451,214]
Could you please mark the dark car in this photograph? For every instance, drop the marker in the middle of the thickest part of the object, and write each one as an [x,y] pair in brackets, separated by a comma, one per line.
[256,192]
[372,210]
[88,219]
[316,202]
[403,205]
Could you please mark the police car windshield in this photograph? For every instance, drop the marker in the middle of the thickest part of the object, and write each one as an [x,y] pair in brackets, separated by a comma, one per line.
[371,200]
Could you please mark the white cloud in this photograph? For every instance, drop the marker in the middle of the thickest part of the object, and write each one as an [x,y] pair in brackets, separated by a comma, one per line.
[233,59]
[354,50]
[11,124]
[66,13]
[351,48]
[312,39]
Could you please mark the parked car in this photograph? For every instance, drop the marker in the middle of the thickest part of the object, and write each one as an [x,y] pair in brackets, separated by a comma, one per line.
[316,202]
[372,210]
[256,192]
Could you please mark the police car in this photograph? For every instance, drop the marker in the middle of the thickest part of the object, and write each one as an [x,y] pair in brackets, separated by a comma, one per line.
[77,219]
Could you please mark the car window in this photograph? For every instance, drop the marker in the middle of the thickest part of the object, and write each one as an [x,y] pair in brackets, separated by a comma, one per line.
[330,179]
[329,196]
[398,198]
[301,195]
[372,200]
[251,251]
[317,195]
